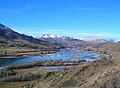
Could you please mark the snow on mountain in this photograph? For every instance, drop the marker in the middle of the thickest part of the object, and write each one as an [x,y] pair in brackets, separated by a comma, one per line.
[62,39]
[48,36]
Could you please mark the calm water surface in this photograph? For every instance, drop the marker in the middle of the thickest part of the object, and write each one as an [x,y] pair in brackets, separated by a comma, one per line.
[63,54]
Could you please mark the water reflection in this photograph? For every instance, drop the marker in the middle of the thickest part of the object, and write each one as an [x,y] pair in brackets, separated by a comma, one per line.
[63,54]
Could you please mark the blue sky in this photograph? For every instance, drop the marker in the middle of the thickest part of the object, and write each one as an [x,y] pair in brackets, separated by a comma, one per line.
[73,18]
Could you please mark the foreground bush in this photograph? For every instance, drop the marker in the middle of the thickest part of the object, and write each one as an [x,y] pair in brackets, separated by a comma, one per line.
[20,77]
[7,75]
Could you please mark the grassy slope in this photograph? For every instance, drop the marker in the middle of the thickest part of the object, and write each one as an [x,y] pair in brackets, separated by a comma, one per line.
[99,74]
[11,41]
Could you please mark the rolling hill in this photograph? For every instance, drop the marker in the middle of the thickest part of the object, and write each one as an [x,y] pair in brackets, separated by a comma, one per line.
[104,73]
[13,43]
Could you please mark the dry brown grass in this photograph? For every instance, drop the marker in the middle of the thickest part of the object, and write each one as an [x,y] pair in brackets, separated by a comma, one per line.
[98,74]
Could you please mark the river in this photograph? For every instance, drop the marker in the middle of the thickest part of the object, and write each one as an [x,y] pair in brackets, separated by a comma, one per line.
[63,54]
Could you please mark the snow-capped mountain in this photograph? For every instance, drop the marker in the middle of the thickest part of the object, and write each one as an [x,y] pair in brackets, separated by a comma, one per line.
[63,40]
[86,38]
[73,42]
[10,38]
[54,37]
[48,36]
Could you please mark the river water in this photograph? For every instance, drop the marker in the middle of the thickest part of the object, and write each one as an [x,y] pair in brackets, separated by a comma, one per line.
[63,54]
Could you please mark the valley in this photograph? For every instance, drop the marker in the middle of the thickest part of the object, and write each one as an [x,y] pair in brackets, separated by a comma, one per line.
[57,62]
[59,43]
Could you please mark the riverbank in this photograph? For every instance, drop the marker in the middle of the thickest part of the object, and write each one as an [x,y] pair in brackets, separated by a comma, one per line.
[13,53]
[65,55]
[35,70]
[43,70]
[103,53]
[46,63]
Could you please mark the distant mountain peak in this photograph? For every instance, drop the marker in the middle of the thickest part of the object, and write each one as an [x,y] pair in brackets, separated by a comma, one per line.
[48,36]
[10,38]
[60,40]
[97,39]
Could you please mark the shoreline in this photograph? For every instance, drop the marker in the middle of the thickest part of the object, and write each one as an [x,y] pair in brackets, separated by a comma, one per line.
[23,55]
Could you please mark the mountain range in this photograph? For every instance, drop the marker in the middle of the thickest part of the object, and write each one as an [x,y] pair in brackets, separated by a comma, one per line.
[98,39]
[10,38]
[104,73]
[74,42]
[64,41]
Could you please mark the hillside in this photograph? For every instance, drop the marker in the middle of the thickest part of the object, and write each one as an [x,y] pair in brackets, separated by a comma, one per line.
[104,73]
[14,41]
